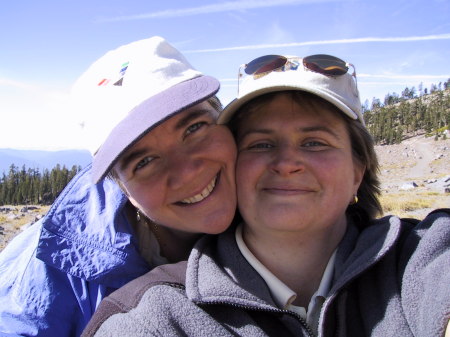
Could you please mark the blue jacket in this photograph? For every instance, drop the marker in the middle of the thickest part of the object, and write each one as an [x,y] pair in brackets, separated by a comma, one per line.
[54,274]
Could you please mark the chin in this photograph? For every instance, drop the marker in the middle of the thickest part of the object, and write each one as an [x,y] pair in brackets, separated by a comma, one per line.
[216,228]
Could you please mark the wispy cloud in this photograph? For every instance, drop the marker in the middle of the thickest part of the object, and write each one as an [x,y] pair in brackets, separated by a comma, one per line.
[214,8]
[392,83]
[16,84]
[394,77]
[274,33]
[322,42]
[388,77]
[366,79]
[29,88]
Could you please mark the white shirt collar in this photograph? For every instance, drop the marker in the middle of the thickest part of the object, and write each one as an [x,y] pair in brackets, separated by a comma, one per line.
[281,293]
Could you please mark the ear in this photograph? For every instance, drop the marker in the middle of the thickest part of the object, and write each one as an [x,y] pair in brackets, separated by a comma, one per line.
[358,173]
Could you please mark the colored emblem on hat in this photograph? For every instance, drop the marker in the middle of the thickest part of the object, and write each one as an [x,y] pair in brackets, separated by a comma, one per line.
[118,82]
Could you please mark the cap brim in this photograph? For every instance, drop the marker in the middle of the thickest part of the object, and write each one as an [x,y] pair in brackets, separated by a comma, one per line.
[340,91]
[148,115]
[234,105]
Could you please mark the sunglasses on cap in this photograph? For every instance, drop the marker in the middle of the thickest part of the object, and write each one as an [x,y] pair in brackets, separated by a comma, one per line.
[320,63]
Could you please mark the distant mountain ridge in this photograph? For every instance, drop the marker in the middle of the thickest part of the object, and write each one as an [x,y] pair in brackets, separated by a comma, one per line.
[43,159]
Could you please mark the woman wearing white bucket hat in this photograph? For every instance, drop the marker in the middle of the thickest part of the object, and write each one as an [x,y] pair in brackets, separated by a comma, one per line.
[309,258]
[150,121]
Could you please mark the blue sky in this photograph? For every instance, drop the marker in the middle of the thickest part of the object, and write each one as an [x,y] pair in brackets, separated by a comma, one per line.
[46,45]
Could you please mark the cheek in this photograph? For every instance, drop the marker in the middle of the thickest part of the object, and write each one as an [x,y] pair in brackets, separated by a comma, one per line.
[341,175]
[242,170]
[221,143]
[248,171]
[144,197]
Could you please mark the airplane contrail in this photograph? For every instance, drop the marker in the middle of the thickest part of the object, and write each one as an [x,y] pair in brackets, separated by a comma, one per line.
[321,42]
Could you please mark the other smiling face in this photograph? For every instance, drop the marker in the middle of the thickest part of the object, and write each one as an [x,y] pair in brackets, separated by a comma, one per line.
[295,170]
[181,174]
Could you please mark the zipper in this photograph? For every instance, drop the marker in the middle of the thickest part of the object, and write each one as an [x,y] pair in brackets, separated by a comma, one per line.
[248,308]
[277,311]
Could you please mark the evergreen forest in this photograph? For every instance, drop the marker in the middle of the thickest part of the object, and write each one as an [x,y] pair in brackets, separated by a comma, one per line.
[391,121]
[33,187]
[411,113]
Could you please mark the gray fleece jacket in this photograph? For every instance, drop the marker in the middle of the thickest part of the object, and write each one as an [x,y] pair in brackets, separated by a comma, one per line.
[391,278]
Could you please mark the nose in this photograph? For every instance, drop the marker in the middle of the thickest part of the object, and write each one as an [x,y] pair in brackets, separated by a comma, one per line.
[182,168]
[287,160]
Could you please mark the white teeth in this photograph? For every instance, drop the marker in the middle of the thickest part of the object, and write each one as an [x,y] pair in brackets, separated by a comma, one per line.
[202,195]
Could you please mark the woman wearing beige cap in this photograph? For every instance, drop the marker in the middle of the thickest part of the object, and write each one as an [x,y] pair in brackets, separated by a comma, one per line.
[150,121]
[309,258]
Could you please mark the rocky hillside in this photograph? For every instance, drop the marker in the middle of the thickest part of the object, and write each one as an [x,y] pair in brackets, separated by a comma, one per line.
[14,219]
[416,173]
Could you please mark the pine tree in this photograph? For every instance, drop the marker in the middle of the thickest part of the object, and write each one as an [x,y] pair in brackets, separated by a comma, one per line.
[389,122]
[29,186]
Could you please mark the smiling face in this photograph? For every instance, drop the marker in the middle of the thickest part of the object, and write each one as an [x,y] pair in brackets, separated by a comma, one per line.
[295,170]
[181,174]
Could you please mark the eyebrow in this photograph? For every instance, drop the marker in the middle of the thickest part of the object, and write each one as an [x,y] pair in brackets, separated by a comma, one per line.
[320,128]
[301,129]
[129,157]
[183,122]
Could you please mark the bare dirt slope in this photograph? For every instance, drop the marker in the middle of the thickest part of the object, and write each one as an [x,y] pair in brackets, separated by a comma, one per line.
[14,219]
[420,167]
[425,156]
[416,159]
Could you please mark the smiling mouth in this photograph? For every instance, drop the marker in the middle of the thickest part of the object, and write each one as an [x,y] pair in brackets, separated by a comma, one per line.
[202,195]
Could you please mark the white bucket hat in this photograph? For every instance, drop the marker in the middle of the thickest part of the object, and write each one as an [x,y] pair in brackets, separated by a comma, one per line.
[131,90]
[340,90]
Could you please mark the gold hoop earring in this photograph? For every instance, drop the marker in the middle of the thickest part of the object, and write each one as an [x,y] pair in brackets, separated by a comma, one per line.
[138,215]
[354,201]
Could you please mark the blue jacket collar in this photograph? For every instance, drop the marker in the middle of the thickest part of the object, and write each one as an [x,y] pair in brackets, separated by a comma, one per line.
[86,233]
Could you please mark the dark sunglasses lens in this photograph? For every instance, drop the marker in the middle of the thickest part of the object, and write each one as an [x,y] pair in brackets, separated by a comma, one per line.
[264,64]
[325,64]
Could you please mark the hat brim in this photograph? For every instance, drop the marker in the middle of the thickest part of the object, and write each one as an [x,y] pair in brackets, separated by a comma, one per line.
[234,105]
[340,91]
[148,115]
